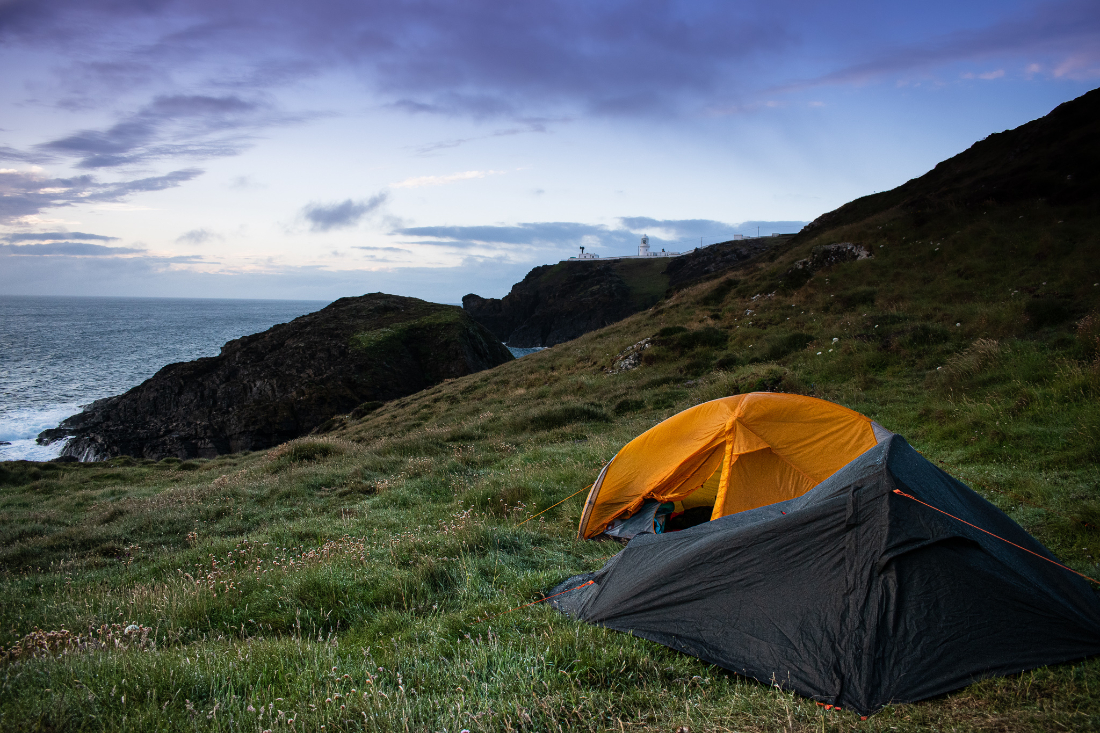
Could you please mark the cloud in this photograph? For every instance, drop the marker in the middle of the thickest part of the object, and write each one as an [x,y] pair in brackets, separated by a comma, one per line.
[554,234]
[153,183]
[26,193]
[986,75]
[674,235]
[78,249]
[53,236]
[711,231]
[395,250]
[197,236]
[557,59]
[326,217]
[9,153]
[483,60]
[383,255]
[435,57]
[244,183]
[529,126]
[147,276]
[1069,30]
[1079,66]
[170,126]
[443,180]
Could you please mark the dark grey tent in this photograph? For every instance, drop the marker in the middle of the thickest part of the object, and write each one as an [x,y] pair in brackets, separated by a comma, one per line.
[852,594]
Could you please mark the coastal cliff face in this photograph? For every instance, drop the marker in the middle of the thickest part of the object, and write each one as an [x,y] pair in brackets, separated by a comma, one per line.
[711,261]
[270,387]
[558,303]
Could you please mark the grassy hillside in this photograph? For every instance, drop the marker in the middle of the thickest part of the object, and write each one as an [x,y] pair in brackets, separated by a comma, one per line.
[646,280]
[364,578]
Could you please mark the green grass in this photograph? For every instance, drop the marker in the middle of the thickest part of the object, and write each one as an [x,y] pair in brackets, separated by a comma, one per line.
[364,579]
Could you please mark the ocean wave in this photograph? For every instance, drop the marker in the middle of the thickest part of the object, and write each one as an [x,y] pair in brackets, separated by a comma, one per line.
[20,427]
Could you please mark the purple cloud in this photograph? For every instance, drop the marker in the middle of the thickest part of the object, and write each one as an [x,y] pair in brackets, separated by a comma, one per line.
[197,236]
[24,193]
[55,236]
[681,234]
[326,217]
[484,58]
[171,126]
[1063,29]
[72,249]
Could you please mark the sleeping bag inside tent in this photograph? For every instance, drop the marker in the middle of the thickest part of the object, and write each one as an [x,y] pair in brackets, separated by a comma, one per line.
[723,457]
[888,582]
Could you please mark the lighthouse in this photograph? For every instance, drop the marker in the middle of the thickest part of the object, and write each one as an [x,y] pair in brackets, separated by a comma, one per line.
[643,248]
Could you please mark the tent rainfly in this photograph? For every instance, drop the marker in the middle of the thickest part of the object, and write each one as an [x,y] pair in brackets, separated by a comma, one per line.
[888,582]
[729,455]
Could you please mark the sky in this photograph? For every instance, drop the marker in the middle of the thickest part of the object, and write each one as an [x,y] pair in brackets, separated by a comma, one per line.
[283,149]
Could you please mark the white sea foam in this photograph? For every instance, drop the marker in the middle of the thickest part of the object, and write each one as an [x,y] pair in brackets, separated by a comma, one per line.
[28,450]
[21,426]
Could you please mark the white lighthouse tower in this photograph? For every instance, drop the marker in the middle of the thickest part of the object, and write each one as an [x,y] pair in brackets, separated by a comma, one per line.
[643,248]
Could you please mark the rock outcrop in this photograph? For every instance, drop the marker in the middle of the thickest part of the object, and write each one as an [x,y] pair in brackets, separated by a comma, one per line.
[557,303]
[270,387]
[708,262]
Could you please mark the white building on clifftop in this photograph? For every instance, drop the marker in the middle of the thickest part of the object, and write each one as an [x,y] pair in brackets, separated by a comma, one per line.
[643,253]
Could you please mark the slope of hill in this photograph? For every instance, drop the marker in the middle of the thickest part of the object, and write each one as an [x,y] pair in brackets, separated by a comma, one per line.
[376,575]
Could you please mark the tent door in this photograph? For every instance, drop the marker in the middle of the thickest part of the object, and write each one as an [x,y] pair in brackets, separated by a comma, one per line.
[651,518]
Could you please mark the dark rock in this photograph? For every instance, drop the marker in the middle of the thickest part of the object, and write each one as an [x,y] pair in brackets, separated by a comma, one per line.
[711,261]
[822,257]
[4,442]
[265,389]
[558,303]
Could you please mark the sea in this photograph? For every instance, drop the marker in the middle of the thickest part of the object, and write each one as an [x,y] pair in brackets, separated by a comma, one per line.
[58,354]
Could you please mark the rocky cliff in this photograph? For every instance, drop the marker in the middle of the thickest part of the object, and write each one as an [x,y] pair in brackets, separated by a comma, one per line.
[556,303]
[267,388]
[711,261]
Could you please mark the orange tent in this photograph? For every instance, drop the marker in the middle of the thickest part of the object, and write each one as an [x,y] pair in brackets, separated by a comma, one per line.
[735,453]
